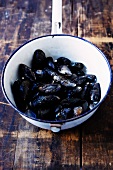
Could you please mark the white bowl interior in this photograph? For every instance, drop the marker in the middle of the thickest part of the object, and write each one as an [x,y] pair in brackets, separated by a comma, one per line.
[73,48]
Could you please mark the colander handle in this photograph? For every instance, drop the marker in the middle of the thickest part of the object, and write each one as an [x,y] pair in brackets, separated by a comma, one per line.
[56,17]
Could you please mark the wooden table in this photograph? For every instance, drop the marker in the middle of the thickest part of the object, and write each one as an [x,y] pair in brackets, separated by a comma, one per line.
[26,147]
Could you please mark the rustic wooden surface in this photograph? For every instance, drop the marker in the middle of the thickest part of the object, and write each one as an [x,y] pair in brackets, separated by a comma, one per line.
[26,147]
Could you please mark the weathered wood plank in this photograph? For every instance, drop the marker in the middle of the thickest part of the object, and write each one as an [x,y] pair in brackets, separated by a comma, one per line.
[9,119]
[8,136]
[98,138]
[97,143]
[41,149]
[22,145]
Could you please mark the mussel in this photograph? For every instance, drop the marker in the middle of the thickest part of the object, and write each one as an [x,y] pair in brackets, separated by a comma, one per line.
[63,114]
[55,89]
[63,61]
[50,88]
[39,60]
[43,101]
[26,72]
[50,63]
[21,91]
[78,68]
[95,93]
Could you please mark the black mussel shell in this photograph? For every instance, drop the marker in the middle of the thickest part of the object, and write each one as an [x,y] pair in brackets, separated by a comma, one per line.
[91,78]
[55,89]
[25,89]
[21,90]
[73,77]
[34,87]
[45,113]
[50,63]
[57,109]
[85,93]
[25,72]
[67,83]
[63,114]
[49,72]
[78,68]
[74,92]
[39,74]
[44,101]
[95,93]
[39,60]
[80,80]
[80,108]
[34,92]
[84,104]
[70,102]
[73,102]
[63,61]
[44,76]
[50,88]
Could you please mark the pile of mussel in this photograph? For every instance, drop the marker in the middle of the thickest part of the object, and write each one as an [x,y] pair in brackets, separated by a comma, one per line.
[54,89]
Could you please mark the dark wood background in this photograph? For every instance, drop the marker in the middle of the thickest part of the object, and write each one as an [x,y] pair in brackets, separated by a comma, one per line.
[27,147]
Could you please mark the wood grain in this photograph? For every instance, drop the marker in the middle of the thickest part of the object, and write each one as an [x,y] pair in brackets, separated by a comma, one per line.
[97,138]
[24,146]
[97,147]
[42,149]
